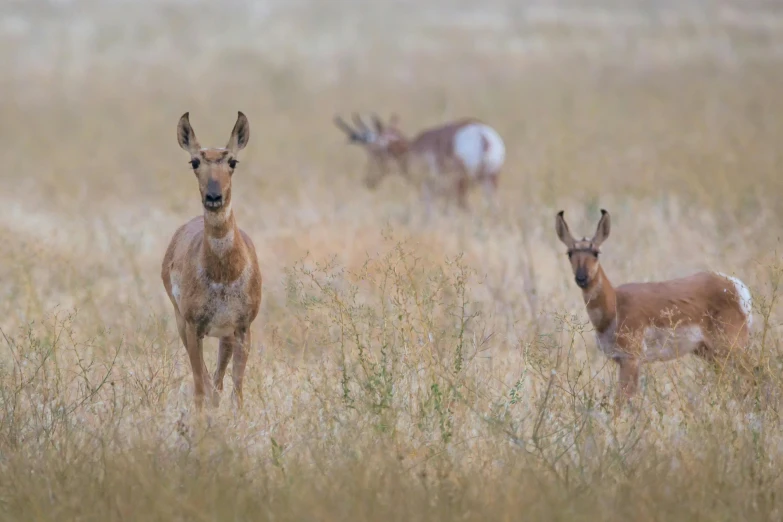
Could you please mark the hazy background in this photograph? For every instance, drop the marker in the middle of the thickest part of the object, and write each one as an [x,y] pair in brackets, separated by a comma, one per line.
[666,113]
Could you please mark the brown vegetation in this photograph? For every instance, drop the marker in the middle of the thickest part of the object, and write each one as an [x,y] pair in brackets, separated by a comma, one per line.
[399,370]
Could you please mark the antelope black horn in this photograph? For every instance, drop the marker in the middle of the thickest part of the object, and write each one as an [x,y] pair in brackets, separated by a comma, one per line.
[377,122]
[360,124]
[352,134]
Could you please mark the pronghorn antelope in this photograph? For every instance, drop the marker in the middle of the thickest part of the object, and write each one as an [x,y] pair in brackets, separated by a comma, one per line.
[708,313]
[441,161]
[210,269]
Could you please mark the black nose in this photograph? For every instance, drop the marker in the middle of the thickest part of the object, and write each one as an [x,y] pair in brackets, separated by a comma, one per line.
[213,200]
[581,280]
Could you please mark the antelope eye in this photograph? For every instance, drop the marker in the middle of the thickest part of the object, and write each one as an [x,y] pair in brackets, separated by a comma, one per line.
[232,163]
[195,162]
[596,254]
[569,254]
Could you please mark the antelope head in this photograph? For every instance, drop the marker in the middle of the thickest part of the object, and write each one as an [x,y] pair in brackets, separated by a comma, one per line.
[382,143]
[583,253]
[214,166]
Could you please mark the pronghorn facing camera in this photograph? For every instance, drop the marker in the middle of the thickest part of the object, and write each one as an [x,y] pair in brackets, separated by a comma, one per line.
[441,161]
[707,314]
[210,270]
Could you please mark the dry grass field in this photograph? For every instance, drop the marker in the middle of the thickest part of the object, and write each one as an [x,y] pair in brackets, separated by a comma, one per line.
[402,369]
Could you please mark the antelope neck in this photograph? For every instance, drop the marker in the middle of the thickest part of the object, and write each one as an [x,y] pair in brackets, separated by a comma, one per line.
[219,224]
[223,257]
[601,301]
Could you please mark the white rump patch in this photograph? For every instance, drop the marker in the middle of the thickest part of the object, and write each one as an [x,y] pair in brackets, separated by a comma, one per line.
[496,153]
[745,302]
[469,147]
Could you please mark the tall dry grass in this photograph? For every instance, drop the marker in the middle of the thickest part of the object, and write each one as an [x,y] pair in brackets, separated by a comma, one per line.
[402,370]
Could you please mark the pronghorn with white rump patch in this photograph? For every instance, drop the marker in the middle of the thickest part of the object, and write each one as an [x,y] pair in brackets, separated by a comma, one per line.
[708,314]
[210,270]
[440,161]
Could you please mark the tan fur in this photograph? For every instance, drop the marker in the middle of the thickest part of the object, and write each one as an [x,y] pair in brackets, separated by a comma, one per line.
[210,270]
[636,323]
[427,161]
[449,177]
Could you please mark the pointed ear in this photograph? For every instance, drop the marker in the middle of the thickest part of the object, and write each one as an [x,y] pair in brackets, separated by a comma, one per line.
[240,135]
[602,232]
[185,135]
[562,230]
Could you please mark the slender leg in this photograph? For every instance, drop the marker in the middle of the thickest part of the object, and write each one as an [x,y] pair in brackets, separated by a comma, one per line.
[194,345]
[446,204]
[706,351]
[490,186]
[213,400]
[462,193]
[464,178]
[225,350]
[376,169]
[733,340]
[241,350]
[181,327]
[426,196]
[629,382]
[432,185]
[728,350]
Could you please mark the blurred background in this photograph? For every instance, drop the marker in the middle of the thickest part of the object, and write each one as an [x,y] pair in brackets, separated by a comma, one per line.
[667,113]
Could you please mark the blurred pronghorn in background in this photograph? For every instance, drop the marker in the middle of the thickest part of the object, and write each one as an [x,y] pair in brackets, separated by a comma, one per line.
[446,160]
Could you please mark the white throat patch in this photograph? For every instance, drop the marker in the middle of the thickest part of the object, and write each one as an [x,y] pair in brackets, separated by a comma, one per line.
[221,245]
[218,218]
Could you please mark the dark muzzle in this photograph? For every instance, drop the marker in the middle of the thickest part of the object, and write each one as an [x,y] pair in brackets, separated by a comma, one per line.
[213,199]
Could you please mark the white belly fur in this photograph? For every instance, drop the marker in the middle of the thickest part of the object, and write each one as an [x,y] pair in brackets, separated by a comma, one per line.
[658,344]
[469,147]
[665,344]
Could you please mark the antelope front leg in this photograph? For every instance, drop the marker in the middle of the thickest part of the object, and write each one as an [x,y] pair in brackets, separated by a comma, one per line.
[629,382]
[241,351]
[225,350]
[195,347]
[490,186]
[462,193]
[426,197]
